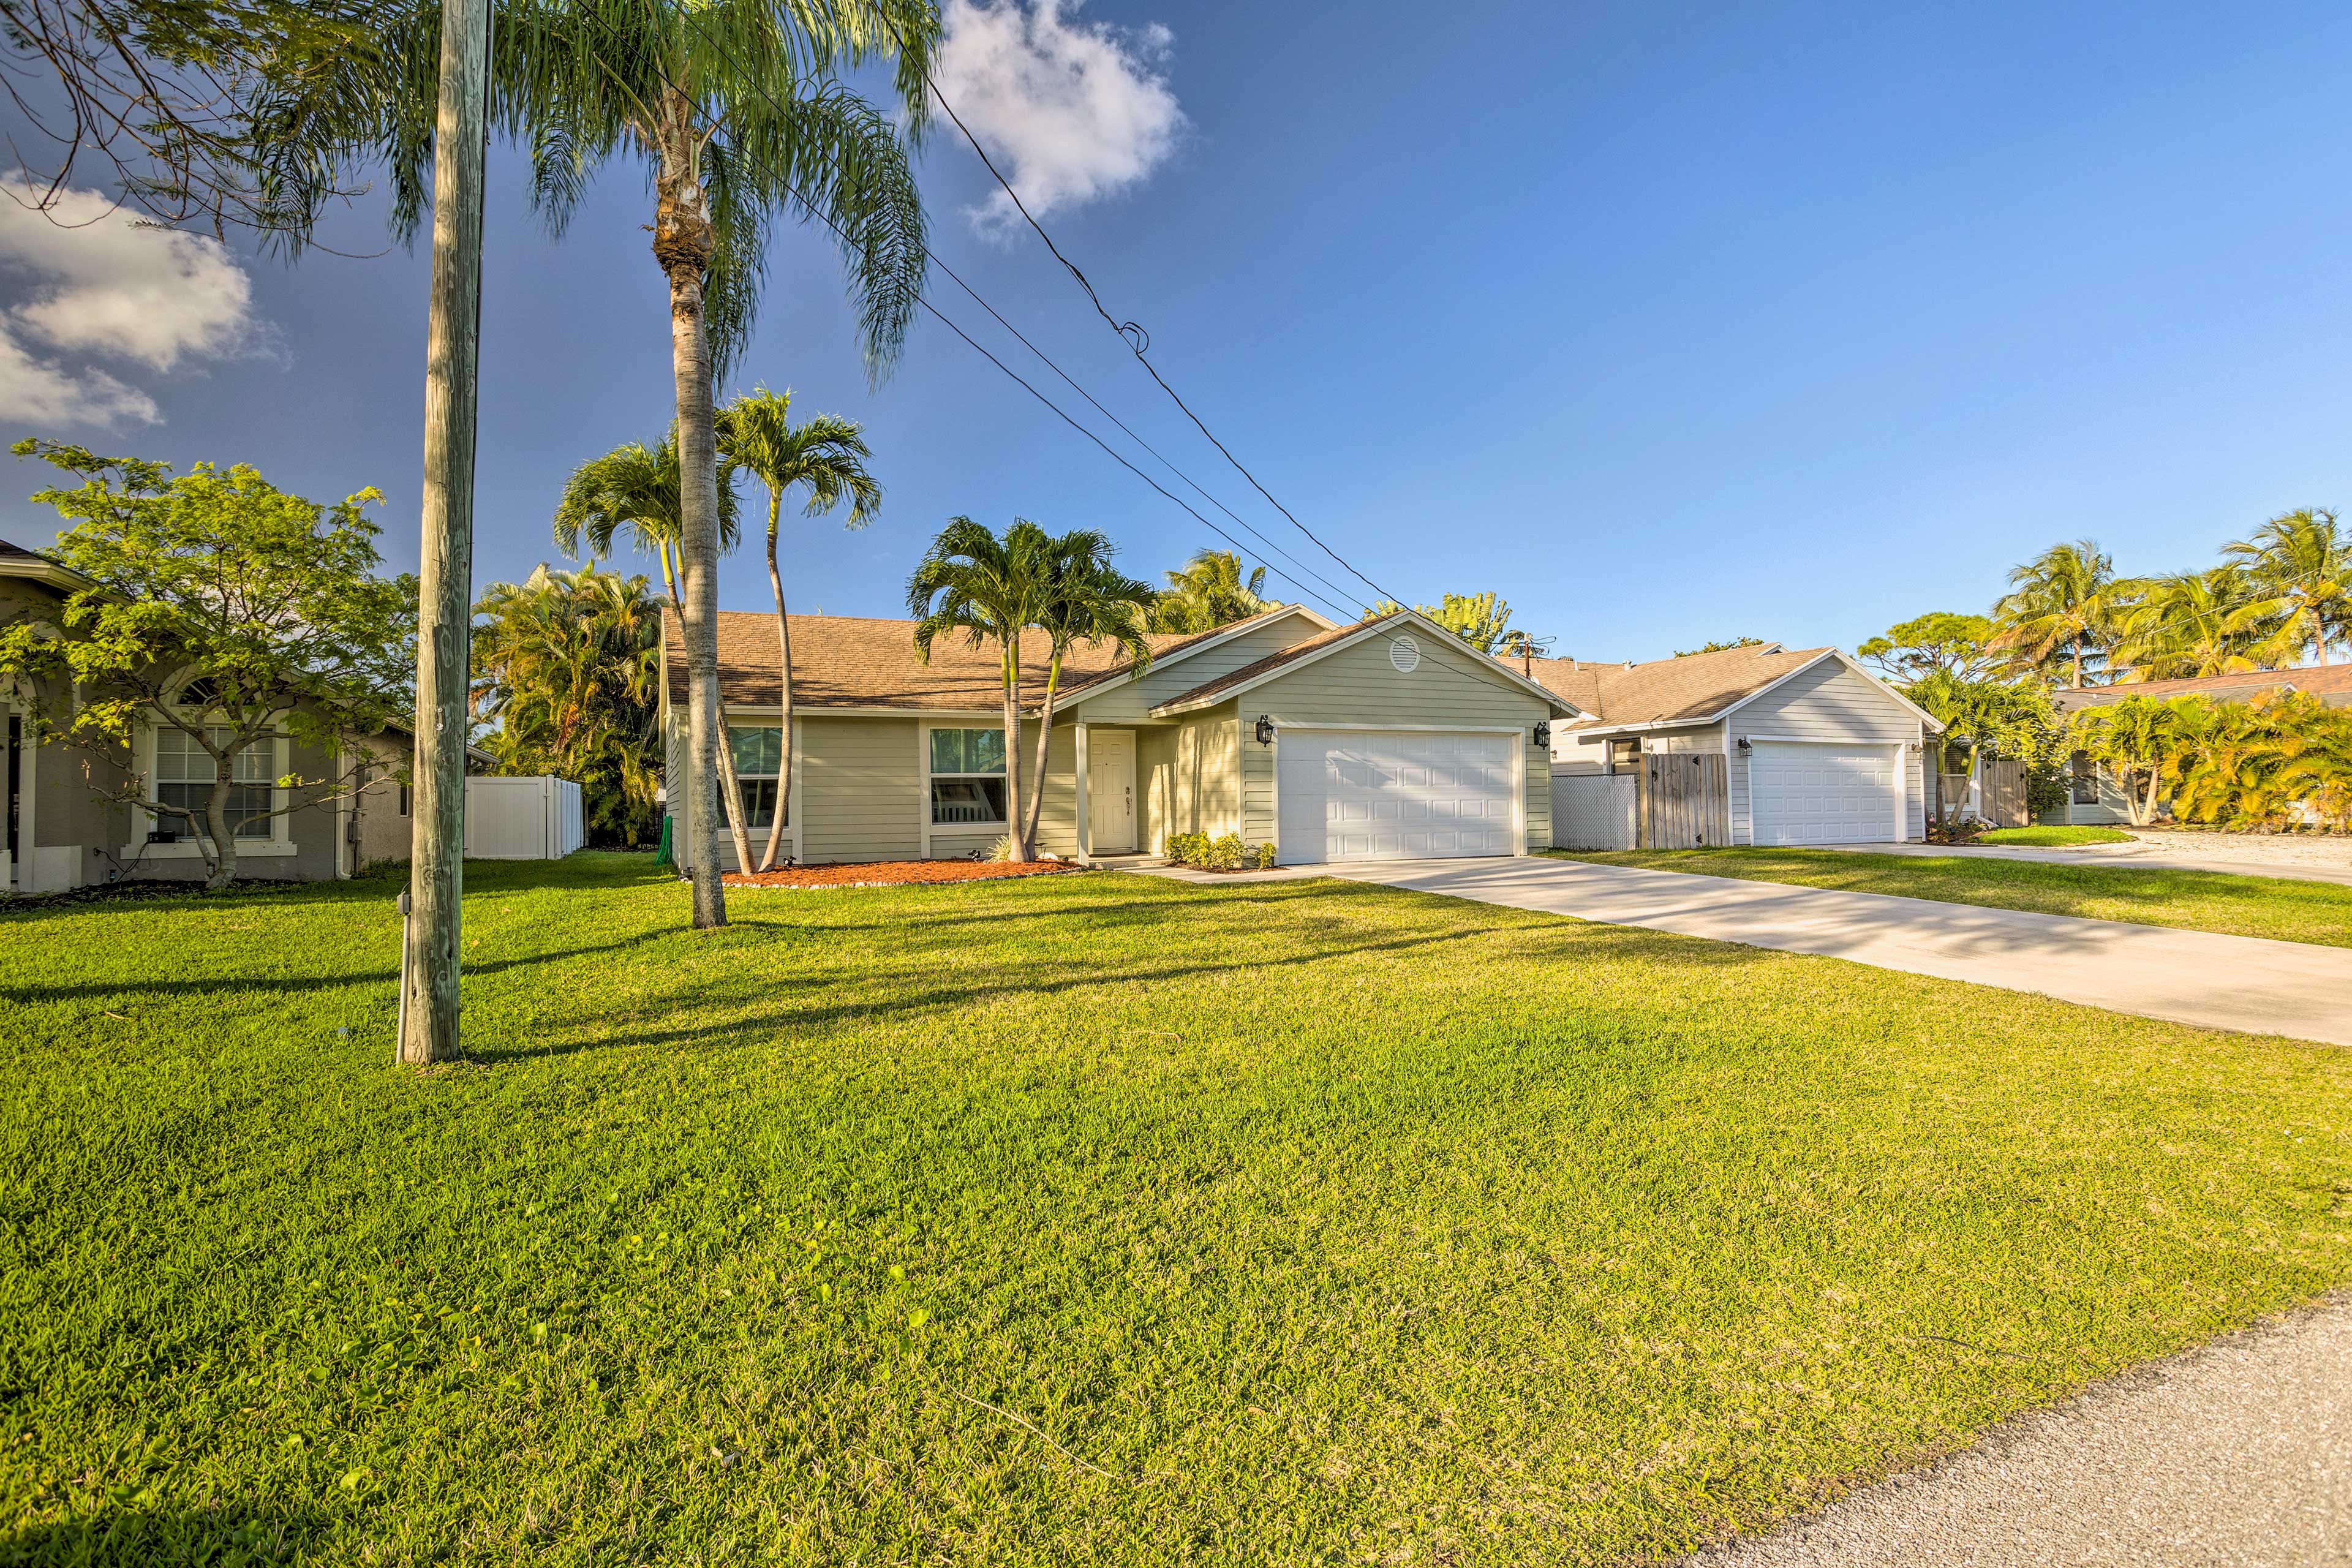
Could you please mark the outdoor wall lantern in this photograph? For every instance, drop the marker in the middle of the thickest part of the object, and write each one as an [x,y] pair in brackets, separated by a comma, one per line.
[1265,729]
[1543,733]
[1744,744]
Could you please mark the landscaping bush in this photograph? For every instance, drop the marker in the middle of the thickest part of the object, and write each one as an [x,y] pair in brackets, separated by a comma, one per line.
[1187,849]
[1224,853]
[1265,856]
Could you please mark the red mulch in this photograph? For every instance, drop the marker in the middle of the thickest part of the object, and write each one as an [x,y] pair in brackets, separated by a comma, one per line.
[897,873]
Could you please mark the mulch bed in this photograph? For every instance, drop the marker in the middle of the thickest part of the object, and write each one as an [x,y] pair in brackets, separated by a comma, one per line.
[897,873]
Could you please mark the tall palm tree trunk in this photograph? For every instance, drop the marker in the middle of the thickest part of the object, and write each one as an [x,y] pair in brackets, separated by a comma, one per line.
[783,691]
[1045,734]
[683,240]
[1013,752]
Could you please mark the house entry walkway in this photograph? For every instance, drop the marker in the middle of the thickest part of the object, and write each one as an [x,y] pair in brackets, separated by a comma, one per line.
[2191,977]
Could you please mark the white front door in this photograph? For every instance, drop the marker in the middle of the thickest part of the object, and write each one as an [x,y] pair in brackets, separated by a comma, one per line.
[1816,793]
[1370,795]
[1110,791]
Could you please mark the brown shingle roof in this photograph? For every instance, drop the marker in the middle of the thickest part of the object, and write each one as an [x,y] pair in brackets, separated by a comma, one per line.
[1665,690]
[857,661]
[2327,680]
[17,551]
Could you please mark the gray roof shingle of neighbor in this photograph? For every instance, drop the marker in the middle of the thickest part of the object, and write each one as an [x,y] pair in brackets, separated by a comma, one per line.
[2324,681]
[860,661]
[18,552]
[1666,691]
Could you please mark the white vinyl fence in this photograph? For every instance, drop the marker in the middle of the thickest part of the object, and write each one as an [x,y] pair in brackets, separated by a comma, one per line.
[1593,811]
[522,819]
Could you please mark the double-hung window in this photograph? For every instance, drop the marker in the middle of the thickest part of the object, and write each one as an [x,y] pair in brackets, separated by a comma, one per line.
[185,773]
[759,758]
[967,778]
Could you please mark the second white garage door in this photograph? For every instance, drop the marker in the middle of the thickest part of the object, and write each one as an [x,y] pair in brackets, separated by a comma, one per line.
[1815,794]
[1371,794]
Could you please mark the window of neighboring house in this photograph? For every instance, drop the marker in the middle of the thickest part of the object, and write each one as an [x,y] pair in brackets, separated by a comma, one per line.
[759,757]
[2085,779]
[403,800]
[185,774]
[1625,754]
[967,778]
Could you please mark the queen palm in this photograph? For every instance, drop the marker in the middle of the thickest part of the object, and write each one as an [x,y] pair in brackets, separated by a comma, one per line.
[737,110]
[825,456]
[2301,564]
[636,490]
[2060,606]
[1085,600]
[2188,624]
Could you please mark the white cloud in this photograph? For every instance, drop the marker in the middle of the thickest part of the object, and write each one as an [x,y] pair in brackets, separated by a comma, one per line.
[88,281]
[1069,110]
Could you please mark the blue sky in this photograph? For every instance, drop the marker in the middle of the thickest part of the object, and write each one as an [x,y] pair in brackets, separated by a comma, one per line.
[1667,323]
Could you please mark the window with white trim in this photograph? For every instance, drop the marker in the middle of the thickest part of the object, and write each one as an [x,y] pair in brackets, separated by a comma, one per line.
[759,758]
[967,778]
[185,773]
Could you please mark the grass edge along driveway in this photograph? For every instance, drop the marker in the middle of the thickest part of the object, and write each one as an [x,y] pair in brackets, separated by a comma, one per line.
[2273,906]
[1092,1219]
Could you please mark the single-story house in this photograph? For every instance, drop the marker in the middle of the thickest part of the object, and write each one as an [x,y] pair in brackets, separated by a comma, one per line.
[2096,796]
[1817,749]
[1386,739]
[62,832]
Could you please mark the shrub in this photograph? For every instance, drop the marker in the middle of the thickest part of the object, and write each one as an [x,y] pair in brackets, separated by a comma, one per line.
[1002,848]
[1265,856]
[1187,849]
[1224,853]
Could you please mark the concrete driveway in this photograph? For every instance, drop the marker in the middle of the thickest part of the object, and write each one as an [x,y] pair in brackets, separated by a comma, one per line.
[2192,977]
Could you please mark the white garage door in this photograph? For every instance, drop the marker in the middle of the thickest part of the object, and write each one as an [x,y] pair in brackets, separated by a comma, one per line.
[1810,793]
[1370,794]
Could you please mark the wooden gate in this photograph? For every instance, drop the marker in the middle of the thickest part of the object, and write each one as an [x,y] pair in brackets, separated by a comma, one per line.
[1685,801]
[2003,793]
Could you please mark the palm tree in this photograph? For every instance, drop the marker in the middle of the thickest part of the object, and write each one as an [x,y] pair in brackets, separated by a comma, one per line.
[1209,593]
[638,489]
[2059,606]
[738,111]
[828,455]
[991,590]
[1085,600]
[2137,740]
[2301,564]
[2188,624]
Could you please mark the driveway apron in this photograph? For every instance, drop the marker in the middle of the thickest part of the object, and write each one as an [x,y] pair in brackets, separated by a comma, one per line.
[2191,977]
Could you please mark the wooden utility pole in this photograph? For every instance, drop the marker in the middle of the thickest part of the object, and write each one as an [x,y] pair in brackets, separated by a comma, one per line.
[436,868]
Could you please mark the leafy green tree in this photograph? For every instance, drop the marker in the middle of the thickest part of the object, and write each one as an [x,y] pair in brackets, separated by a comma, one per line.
[1482,620]
[2136,739]
[224,609]
[2060,611]
[1719,647]
[738,111]
[2010,718]
[636,490]
[988,589]
[567,669]
[1959,645]
[826,457]
[2188,624]
[1209,593]
[2300,565]
[1085,599]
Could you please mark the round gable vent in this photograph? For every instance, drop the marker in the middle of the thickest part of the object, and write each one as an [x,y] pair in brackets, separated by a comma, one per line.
[1405,654]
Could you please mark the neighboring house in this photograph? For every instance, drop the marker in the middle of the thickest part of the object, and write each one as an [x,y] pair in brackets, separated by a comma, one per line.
[1817,749]
[61,833]
[2096,797]
[1388,738]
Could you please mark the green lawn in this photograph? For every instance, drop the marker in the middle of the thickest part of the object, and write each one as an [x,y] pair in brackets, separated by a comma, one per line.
[2054,837]
[2193,900]
[1082,1220]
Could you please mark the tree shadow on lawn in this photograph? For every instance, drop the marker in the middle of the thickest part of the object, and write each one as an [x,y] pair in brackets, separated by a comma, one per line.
[230,1535]
[902,992]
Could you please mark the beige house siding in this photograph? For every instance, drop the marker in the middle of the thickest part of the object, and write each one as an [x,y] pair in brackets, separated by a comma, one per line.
[1129,703]
[1827,702]
[1190,776]
[861,789]
[1155,773]
[1359,687]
